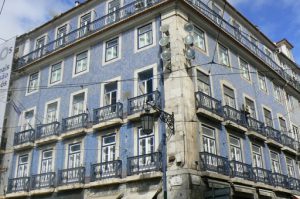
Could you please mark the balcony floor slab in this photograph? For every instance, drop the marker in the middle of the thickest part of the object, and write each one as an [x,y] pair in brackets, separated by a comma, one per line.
[214,175]
[108,123]
[266,193]
[233,125]
[273,143]
[70,186]
[142,176]
[288,149]
[42,191]
[47,140]
[209,115]
[73,133]
[104,182]
[255,134]
[17,194]
[242,181]
[136,116]
[244,189]
[23,146]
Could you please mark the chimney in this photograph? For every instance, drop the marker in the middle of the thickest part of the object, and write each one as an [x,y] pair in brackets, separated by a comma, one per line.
[77,3]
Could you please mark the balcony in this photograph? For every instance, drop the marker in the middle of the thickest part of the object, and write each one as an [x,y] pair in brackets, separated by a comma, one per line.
[242,170]
[42,183]
[19,186]
[274,136]
[71,178]
[108,116]
[85,31]
[137,104]
[24,139]
[289,144]
[234,118]
[47,133]
[263,175]
[208,106]
[74,125]
[256,128]
[294,184]
[280,180]
[104,170]
[214,163]
[144,163]
[242,39]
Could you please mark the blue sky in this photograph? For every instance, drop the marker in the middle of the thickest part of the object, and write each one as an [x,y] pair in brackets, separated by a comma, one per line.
[276,18]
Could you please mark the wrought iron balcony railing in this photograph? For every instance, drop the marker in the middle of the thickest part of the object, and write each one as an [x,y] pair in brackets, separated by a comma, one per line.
[74,122]
[280,180]
[108,112]
[71,176]
[43,180]
[234,115]
[82,32]
[18,184]
[241,170]
[244,40]
[138,103]
[255,125]
[47,130]
[111,169]
[273,134]
[25,136]
[289,142]
[144,163]
[263,175]
[294,183]
[209,103]
[215,163]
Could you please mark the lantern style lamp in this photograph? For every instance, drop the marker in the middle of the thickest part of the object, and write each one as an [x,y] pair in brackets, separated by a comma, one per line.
[147,122]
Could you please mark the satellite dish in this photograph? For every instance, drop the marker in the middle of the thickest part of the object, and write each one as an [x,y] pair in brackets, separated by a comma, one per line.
[164,28]
[164,41]
[190,54]
[166,55]
[189,40]
[189,27]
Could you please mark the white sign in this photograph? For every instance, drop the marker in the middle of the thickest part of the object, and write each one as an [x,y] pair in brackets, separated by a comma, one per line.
[6,60]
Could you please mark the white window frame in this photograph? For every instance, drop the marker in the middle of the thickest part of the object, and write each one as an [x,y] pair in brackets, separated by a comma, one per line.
[38,83]
[67,24]
[85,91]
[225,83]
[136,75]
[285,121]
[93,14]
[82,150]
[243,73]
[240,147]
[287,166]
[205,51]
[17,163]
[264,117]
[265,81]
[50,73]
[254,102]
[53,148]
[276,97]
[255,153]
[57,100]
[22,117]
[136,49]
[75,63]
[118,79]
[106,9]
[104,62]
[38,38]
[213,138]
[279,163]
[219,55]
[117,144]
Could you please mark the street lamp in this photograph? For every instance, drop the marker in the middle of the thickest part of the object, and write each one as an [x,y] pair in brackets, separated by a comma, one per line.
[147,122]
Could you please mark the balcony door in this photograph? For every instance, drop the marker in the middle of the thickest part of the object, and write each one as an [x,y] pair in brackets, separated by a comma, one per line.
[46,167]
[110,98]
[22,171]
[236,154]
[73,162]
[145,150]
[108,155]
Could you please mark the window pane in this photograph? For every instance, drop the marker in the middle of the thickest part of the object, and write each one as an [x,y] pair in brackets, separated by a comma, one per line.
[145,36]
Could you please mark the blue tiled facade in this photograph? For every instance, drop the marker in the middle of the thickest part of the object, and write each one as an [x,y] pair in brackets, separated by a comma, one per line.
[217,157]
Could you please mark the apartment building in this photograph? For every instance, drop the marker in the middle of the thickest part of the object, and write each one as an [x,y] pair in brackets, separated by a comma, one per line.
[81,81]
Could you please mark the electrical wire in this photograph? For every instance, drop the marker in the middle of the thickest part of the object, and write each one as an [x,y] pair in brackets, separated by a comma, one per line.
[2,7]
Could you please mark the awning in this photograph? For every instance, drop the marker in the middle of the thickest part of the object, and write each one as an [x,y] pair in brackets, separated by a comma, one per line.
[142,195]
[114,196]
[296,197]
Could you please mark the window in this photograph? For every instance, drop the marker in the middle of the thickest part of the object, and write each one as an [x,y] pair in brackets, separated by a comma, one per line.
[78,105]
[112,10]
[110,93]
[275,162]
[145,36]
[55,75]
[60,35]
[290,101]
[51,112]
[145,82]
[33,83]
[47,161]
[74,155]
[277,92]
[250,107]
[203,82]
[111,49]
[268,117]
[262,82]
[229,97]
[199,39]
[209,140]
[146,144]
[290,167]
[245,69]
[81,64]
[254,42]
[40,43]
[282,124]
[237,29]
[28,120]
[108,148]
[235,149]
[22,170]
[224,55]
[217,13]
[257,156]
[295,132]
[269,55]
[85,20]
